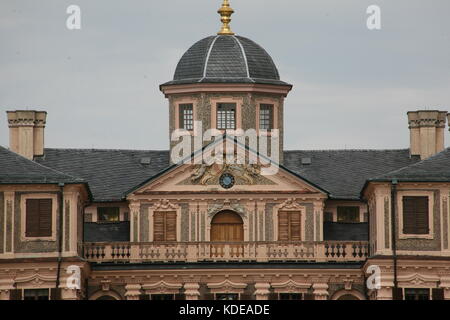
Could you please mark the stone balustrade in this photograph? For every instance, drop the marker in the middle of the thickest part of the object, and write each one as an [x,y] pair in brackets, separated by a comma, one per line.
[325,251]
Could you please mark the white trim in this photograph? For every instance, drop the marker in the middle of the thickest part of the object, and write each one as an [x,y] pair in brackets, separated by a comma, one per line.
[244,55]
[207,57]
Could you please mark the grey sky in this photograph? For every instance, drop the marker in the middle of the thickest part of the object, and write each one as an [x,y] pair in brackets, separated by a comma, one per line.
[352,86]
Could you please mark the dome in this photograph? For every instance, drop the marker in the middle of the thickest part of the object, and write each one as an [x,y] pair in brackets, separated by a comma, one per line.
[226,59]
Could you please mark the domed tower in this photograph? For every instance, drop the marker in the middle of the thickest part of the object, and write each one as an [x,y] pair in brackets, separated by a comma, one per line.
[229,83]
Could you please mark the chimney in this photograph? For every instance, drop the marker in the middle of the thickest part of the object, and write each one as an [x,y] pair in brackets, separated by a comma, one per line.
[26,132]
[426,132]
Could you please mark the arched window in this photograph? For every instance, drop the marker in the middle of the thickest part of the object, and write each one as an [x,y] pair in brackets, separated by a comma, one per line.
[227,226]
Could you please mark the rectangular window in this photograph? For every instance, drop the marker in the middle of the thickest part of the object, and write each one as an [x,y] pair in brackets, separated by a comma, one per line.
[165,226]
[186,113]
[290,296]
[162,297]
[227,296]
[108,214]
[226,116]
[38,218]
[348,214]
[266,117]
[289,226]
[417,294]
[328,216]
[415,215]
[36,294]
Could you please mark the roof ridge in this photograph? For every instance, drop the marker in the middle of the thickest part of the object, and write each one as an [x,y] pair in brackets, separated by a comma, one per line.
[41,165]
[205,68]
[411,165]
[244,55]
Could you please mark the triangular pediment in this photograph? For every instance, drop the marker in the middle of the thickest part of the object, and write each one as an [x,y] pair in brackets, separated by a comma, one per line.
[228,176]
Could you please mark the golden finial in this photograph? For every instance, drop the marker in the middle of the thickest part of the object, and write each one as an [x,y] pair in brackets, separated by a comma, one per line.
[225,13]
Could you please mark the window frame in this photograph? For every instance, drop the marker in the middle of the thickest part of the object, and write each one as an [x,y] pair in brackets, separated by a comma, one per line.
[271,113]
[181,116]
[108,221]
[23,215]
[400,196]
[239,102]
[276,107]
[358,215]
[228,108]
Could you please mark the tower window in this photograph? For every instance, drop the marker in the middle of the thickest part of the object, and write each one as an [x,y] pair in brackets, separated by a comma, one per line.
[226,116]
[186,116]
[266,117]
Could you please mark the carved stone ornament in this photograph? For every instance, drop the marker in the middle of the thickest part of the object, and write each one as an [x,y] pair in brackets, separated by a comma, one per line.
[246,174]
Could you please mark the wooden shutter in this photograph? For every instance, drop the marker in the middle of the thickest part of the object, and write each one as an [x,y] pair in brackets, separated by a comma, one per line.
[397,293]
[165,226]
[415,215]
[273,296]
[45,217]
[32,218]
[295,226]
[438,294]
[171,226]
[15,294]
[55,294]
[283,226]
[309,296]
[158,226]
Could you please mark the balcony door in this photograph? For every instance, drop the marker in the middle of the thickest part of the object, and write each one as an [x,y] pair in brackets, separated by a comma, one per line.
[227,226]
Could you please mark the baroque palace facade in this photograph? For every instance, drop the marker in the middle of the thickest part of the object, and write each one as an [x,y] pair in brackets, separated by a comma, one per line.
[136,225]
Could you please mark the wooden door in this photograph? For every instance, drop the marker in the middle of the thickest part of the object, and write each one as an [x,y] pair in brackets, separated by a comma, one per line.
[227,227]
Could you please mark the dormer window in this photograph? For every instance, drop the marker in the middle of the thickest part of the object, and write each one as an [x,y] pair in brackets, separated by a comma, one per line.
[226,116]
[186,116]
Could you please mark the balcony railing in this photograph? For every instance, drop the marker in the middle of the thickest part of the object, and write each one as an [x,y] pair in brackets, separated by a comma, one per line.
[327,251]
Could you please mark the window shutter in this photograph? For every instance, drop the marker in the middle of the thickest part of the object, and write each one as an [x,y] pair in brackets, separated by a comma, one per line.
[397,293]
[32,218]
[309,296]
[55,294]
[283,226]
[15,294]
[295,226]
[273,296]
[209,296]
[438,294]
[245,297]
[158,226]
[415,215]
[45,217]
[171,226]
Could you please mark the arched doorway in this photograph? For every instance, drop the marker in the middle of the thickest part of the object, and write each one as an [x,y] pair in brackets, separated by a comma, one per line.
[227,227]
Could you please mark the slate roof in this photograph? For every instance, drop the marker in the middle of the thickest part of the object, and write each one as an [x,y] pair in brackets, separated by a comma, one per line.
[15,169]
[110,173]
[343,173]
[226,59]
[433,169]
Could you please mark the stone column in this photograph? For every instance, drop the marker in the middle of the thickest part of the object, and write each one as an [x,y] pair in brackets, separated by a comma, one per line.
[320,291]
[318,220]
[191,291]
[134,221]
[133,291]
[445,284]
[262,291]
[6,285]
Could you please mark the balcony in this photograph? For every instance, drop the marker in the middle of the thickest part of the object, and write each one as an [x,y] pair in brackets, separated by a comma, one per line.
[191,252]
